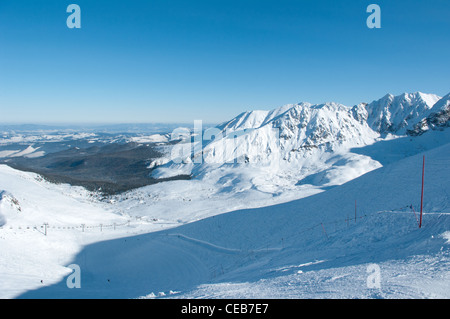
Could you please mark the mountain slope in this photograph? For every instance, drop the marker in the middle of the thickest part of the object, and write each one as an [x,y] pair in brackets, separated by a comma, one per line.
[437,117]
[395,114]
[300,128]
[325,156]
[308,248]
[299,144]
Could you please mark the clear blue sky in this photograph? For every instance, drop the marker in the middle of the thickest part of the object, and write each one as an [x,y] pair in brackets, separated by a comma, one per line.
[176,61]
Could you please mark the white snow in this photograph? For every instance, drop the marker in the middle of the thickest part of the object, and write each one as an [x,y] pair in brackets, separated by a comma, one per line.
[276,251]
[280,225]
[154,138]
[395,114]
[34,137]
[8,153]
[29,152]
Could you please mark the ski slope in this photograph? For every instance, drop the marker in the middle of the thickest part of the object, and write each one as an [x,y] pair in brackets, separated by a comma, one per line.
[307,248]
[324,193]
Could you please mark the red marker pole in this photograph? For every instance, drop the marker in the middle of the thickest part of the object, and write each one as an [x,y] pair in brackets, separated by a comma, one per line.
[421,196]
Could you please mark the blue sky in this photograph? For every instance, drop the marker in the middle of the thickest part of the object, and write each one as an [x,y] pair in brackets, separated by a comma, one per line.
[177,61]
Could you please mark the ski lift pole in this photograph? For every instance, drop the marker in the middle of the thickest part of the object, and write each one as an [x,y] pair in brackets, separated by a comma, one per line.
[323,228]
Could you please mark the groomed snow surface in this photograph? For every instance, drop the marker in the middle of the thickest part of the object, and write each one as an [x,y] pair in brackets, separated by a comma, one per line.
[185,239]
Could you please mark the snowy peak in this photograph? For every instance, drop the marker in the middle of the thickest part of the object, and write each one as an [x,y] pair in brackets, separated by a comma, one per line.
[287,133]
[244,121]
[443,104]
[437,117]
[303,127]
[390,114]
[256,119]
[316,125]
[396,114]
[298,140]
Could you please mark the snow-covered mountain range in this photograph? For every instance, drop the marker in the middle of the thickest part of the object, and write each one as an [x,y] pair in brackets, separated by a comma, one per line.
[396,114]
[304,126]
[294,142]
[297,202]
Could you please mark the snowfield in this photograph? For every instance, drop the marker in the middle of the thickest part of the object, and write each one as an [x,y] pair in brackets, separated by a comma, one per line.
[337,218]
[308,248]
